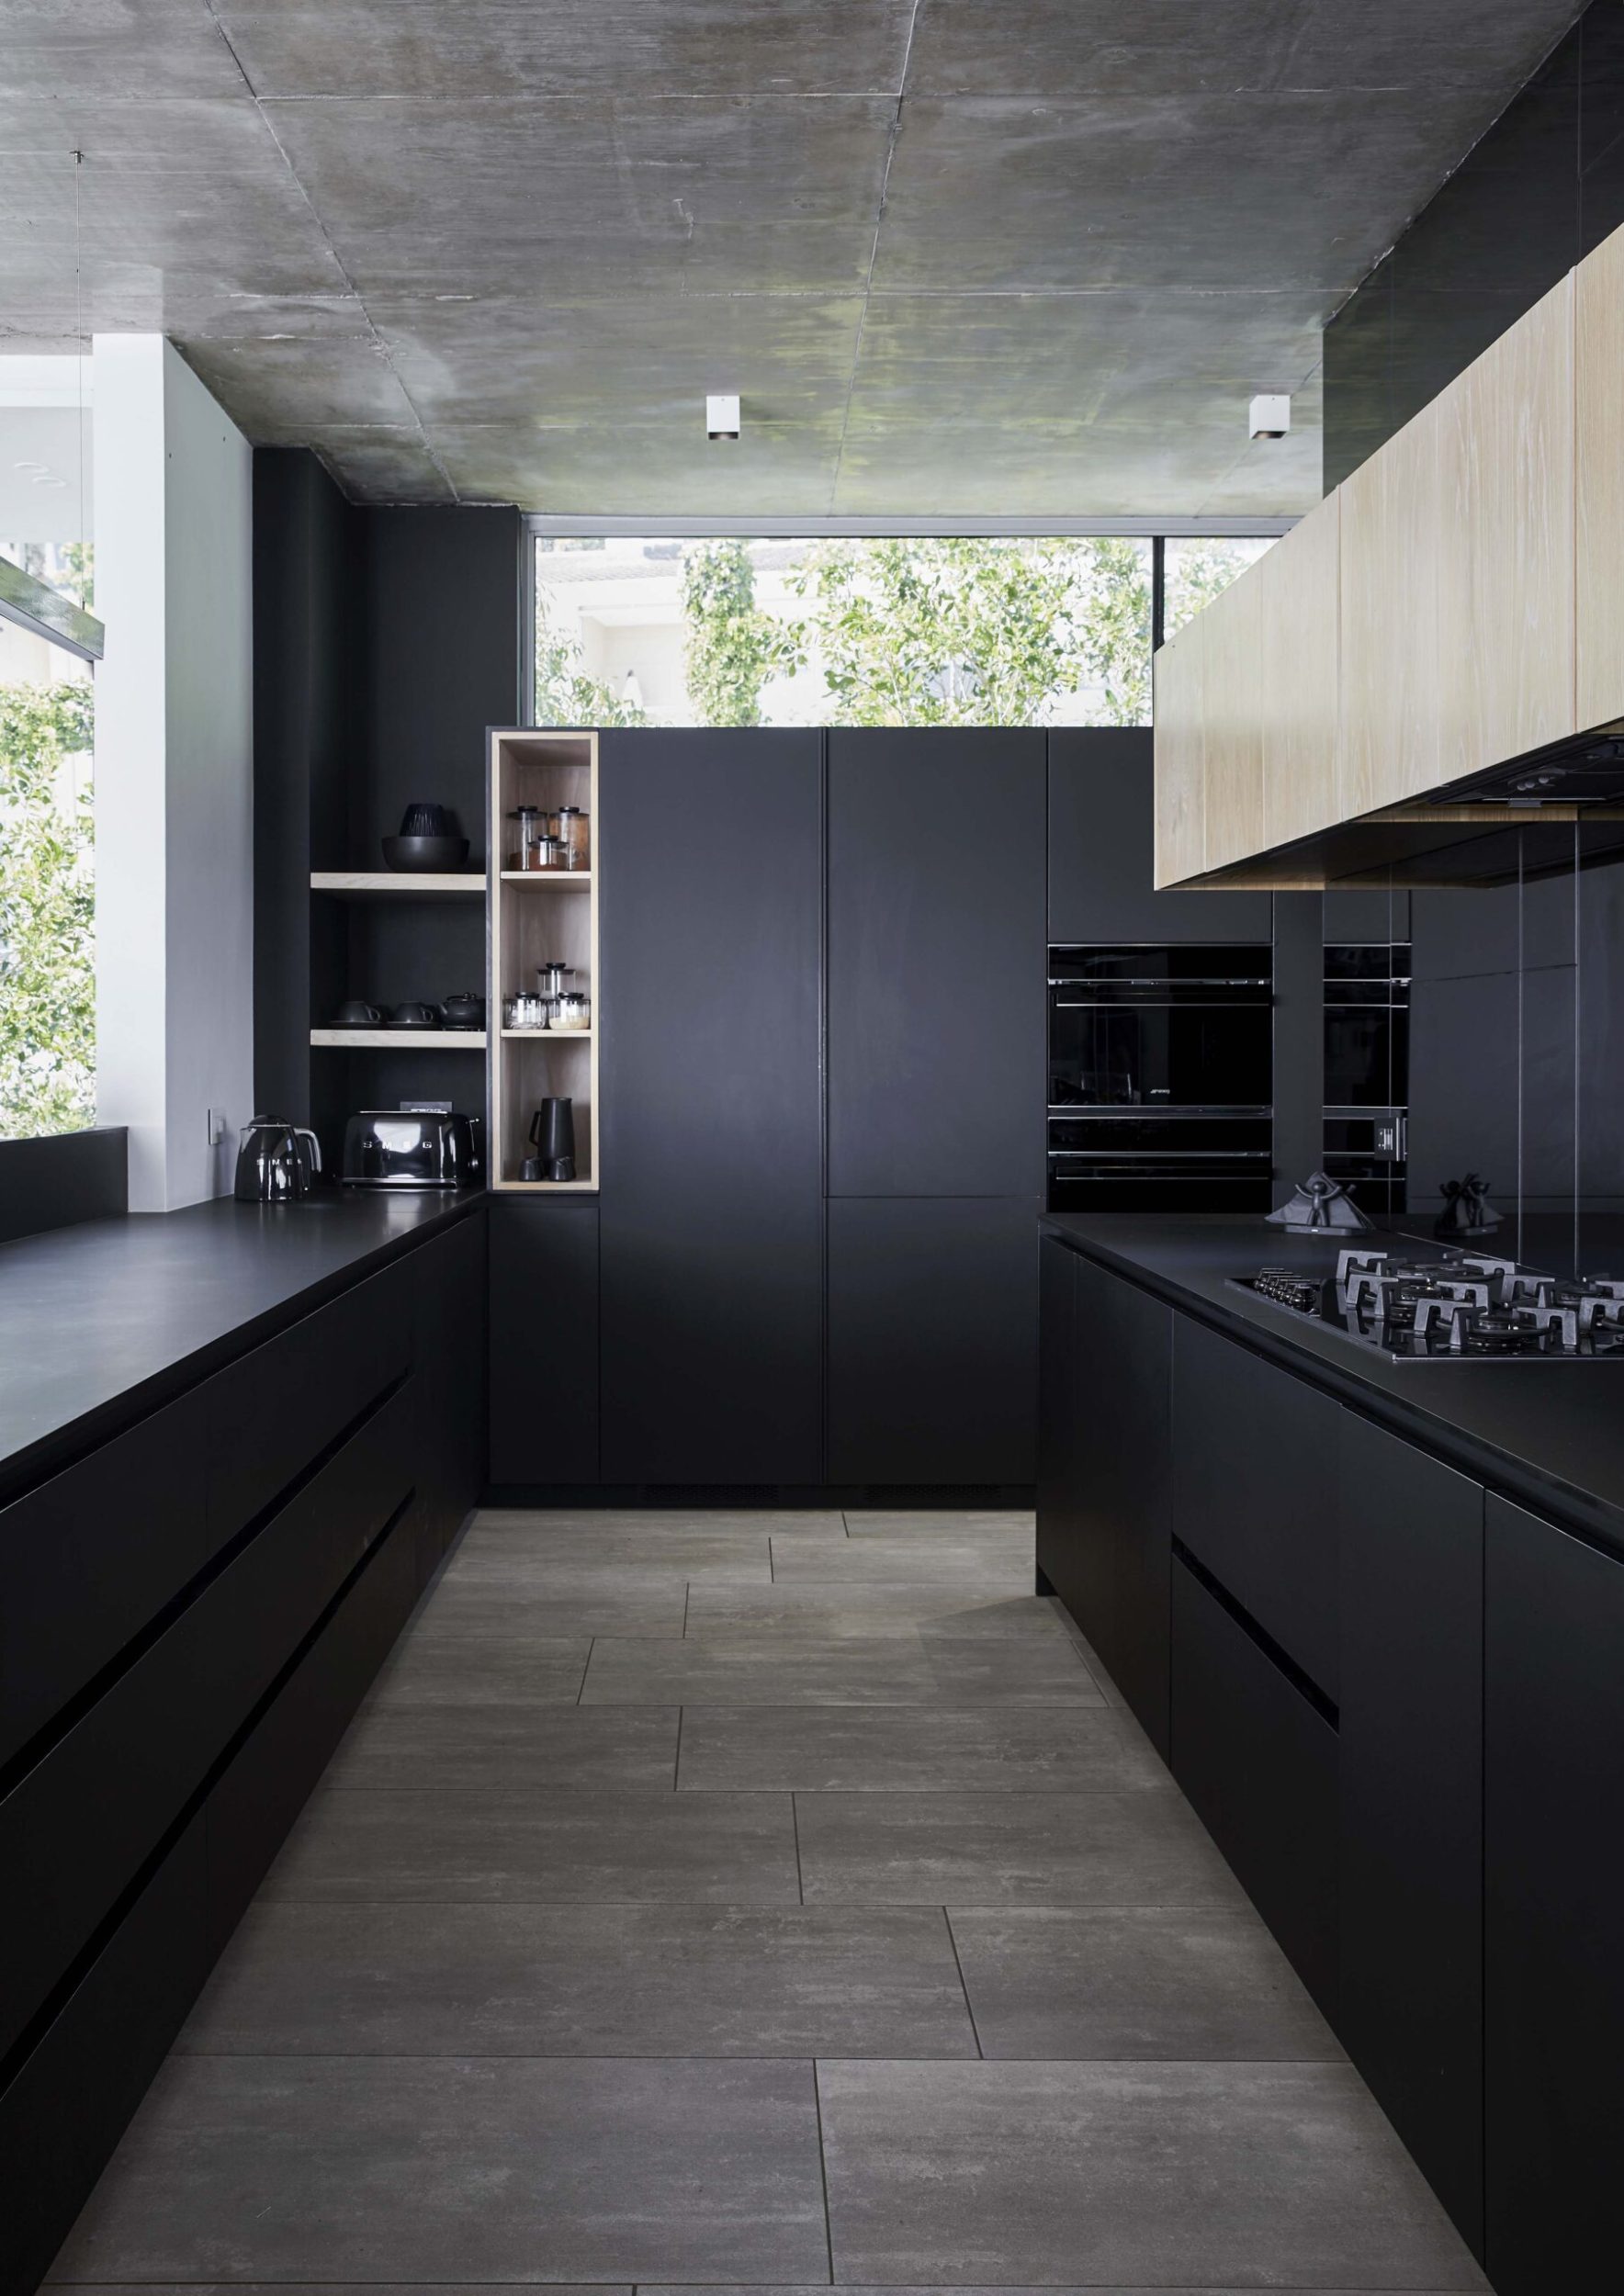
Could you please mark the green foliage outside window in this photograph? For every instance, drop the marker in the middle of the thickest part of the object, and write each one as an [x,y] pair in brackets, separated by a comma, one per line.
[565,695]
[730,647]
[47,915]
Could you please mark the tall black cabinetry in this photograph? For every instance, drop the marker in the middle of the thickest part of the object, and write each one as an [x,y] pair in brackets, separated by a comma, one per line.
[1102,850]
[710,1204]
[936,848]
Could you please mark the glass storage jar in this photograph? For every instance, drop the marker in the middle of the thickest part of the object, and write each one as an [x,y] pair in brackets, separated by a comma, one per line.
[529,830]
[574,838]
[573,1009]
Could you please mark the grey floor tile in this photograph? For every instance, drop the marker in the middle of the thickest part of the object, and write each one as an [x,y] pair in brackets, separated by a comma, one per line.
[1179,1982]
[599,1558]
[440,1671]
[939,2288]
[452,2169]
[1161,2175]
[1003,1563]
[605,1981]
[331,2288]
[930,1522]
[704,1522]
[870,1749]
[518,1747]
[1113,1846]
[889,1670]
[363,1847]
[506,1609]
[719,1608]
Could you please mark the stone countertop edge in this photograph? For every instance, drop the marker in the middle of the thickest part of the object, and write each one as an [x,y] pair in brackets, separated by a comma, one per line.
[102,1322]
[1549,1436]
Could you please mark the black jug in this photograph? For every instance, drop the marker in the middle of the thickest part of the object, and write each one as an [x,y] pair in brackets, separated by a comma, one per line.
[552,1135]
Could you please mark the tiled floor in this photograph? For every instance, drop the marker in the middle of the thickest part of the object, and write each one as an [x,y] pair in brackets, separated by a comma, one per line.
[755,1901]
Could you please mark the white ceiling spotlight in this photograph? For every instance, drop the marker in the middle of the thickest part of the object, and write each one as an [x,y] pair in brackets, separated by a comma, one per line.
[721,414]
[1270,415]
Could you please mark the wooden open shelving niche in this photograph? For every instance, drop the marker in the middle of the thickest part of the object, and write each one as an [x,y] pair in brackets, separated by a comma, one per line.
[535,918]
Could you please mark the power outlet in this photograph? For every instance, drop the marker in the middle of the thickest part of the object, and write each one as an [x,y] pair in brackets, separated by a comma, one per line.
[217,1127]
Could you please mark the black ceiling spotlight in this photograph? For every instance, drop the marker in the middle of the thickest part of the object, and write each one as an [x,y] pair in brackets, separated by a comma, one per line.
[721,414]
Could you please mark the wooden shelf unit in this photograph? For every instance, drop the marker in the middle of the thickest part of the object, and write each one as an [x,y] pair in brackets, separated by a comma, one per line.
[527,929]
[399,1040]
[398,882]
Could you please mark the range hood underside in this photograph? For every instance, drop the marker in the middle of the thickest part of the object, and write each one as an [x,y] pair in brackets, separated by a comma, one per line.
[1557,808]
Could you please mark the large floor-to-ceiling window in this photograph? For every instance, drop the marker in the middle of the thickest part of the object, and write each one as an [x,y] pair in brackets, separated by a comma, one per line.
[47,853]
[912,630]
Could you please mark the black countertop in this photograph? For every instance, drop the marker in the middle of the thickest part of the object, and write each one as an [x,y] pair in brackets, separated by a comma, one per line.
[100,1322]
[1547,1434]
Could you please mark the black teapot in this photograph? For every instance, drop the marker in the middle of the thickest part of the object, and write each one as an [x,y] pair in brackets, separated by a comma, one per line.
[463,1009]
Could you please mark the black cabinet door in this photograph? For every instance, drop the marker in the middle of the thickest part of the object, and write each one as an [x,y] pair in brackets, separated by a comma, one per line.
[1104,1512]
[711,1215]
[544,1339]
[936,962]
[1411,1747]
[932,1340]
[450,1378]
[1553,1839]
[1254,1492]
[1059,1453]
[1258,1764]
[1102,850]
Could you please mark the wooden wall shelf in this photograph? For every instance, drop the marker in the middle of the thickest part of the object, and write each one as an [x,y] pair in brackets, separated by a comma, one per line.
[548,769]
[399,882]
[400,1039]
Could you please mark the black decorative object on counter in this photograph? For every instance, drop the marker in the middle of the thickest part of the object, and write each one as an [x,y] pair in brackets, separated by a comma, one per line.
[1467,1210]
[1322,1203]
[552,1135]
[276,1162]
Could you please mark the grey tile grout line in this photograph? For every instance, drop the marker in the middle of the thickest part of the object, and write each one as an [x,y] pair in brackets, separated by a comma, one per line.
[591,1643]
[964,1988]
[828,2229]
[794,1826]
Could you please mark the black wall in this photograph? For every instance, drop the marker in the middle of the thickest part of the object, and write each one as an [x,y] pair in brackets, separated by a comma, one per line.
[1518,1028]
[386,642]
[1536,194]
[62,1178]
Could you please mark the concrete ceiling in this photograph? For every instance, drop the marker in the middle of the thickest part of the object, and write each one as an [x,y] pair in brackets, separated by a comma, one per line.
[1021,257]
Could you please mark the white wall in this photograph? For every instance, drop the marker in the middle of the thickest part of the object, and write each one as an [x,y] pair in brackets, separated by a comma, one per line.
[173,771]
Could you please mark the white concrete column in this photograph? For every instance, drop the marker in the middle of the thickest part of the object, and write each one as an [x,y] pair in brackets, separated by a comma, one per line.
[173,771]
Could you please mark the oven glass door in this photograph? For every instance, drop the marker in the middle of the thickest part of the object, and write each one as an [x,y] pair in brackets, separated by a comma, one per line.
[1185,1028]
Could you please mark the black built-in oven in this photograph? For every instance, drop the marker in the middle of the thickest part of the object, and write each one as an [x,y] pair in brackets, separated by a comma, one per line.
[1161,1078]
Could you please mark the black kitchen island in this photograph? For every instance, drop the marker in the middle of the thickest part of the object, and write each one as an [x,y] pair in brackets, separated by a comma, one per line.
[234,1444]
[1372,1613]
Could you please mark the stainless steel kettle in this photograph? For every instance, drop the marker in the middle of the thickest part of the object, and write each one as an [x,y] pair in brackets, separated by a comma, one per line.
[276,1160]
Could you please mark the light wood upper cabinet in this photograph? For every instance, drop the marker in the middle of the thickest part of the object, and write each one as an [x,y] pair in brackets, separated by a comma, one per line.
[1180,755]
[1232,638]
[1389,737]
[1598,452]
[1298,581]
[1511,690]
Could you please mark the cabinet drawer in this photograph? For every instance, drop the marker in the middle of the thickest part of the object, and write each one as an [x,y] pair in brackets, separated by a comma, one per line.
[1255,1491]
[91,1557]
[272,1412]
[78,1826]
[1258,1764]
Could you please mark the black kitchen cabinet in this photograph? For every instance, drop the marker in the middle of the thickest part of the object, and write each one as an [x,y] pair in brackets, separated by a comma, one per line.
[936,962]
[1104,1518]
[544,1339]
[1102,850]
[711,1135]
[1255,1491]
[1411,1791]
[1553,1862]
[449,1352]
[933,1340]
[1258,1764]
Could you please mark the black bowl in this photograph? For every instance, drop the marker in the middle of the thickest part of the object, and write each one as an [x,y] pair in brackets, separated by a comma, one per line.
[426,852]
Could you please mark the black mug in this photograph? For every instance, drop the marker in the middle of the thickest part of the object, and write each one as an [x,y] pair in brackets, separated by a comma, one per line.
[552,1135]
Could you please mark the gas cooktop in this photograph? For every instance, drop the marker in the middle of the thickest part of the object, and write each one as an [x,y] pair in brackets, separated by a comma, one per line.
[1451,1306]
